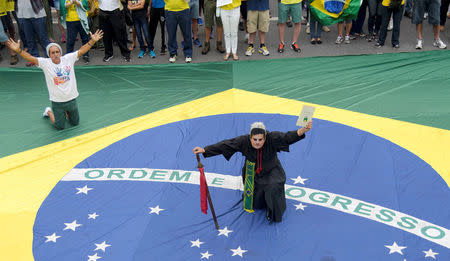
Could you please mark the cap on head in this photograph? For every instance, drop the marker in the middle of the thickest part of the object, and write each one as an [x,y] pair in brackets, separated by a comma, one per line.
[51,45]
[257,128]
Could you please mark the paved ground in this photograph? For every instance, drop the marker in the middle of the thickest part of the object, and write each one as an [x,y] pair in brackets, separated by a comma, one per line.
[328,48]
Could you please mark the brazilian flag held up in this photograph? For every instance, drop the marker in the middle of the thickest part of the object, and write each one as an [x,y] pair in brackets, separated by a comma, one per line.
[329,12]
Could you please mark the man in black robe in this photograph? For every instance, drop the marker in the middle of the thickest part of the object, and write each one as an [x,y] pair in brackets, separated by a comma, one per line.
[261,147]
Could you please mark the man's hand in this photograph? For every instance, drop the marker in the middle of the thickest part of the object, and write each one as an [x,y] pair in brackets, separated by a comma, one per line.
[198,150]
[305,129]
[97,35]
[13,45]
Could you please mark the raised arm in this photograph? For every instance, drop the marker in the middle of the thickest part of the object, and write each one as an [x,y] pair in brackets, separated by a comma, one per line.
[15,46]
[94,38]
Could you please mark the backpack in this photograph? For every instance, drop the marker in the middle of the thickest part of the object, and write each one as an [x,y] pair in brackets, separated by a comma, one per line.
[395,4]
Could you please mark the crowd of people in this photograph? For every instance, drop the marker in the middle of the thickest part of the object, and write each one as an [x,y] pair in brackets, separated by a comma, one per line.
[76,18]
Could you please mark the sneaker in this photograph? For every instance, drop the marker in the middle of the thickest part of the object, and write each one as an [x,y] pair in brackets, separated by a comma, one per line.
[396,46]
[152,54]
[141,54]
[200,21]
[263,50]
[347,39]
[250,50]
[45,113]
[308,30]
[419,44]
[295,47]
[339,39]
[163,50]
[107,58]
[127,59]
[86,59]
[188,60]
[197,42]
[219,47]
[14,59]
[206,48]
[371,37]
[378,45]
[391,25]
[281,48]
[325,29]
[173,58]
[438,43]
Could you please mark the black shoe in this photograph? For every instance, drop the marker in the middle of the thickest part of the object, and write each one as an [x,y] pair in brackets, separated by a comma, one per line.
[127,59]
[163,50]
[396,46]
[86,59]
[289,23]
[107,58]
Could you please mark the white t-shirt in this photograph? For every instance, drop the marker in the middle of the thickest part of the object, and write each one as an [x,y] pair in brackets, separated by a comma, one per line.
[60,78]
[108,5]
[24,10]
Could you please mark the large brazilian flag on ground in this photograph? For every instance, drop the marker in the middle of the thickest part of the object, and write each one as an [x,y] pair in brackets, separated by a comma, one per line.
[329,12]
[369,182]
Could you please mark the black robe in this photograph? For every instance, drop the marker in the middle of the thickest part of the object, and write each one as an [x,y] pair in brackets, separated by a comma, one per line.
[269,183]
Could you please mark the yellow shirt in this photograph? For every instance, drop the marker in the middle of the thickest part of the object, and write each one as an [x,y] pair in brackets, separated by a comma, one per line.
[290,2]
[234,4]
[72,14]
[176,5]
[388,2]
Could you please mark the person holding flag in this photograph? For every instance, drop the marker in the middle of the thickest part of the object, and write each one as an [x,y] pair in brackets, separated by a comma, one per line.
[262,174]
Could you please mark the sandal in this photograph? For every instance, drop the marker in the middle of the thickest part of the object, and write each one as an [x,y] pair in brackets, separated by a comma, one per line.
[319,41]
[313,41]
[235,57]
[226,57]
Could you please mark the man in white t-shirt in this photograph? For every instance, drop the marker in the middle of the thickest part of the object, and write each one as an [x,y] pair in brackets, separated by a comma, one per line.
[60,78]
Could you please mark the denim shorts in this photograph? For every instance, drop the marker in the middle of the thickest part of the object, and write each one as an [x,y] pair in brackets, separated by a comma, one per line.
[432,6]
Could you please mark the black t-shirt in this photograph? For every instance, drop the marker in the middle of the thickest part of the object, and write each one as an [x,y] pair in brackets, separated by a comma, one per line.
[140,12]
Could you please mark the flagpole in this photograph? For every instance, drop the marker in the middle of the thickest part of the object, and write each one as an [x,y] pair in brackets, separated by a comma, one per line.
[213,213]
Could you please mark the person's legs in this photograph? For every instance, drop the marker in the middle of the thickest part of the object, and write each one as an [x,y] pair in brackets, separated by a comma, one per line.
[48,19]
[418,12]
[184,19]
[386,14]
[263,25]
[71,108]
[83,35]
[252,24]
[117,21]
[296,14]
[41,32]
[275,199]
[283,11]
[234,24]
[138,28]
[153,23]
[226,21]
[59,115]
[397,18]
[171,24]
[146,33]
[27,26]
[443,13]
[107,29]
[372,6]
[71,36]
[162,22]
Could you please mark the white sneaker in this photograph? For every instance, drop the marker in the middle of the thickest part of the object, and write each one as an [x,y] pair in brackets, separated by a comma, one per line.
[438,43]
[188,59]
[45,113]
[339,39]
[347,39]
[250,50]
[325,29]
[391,25]
[172,58]
[419,44]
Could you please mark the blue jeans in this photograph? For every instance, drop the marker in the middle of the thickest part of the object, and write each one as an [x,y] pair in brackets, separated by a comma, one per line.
[315,27]
[397,18]
[32,26]
[141,26]
[73,28]
[182,19]
[374,21]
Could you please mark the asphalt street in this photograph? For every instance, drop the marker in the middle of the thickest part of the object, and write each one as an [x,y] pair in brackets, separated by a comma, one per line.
[327,48]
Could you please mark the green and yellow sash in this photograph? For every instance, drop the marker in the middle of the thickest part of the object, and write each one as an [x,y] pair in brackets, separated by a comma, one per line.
[249,185]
